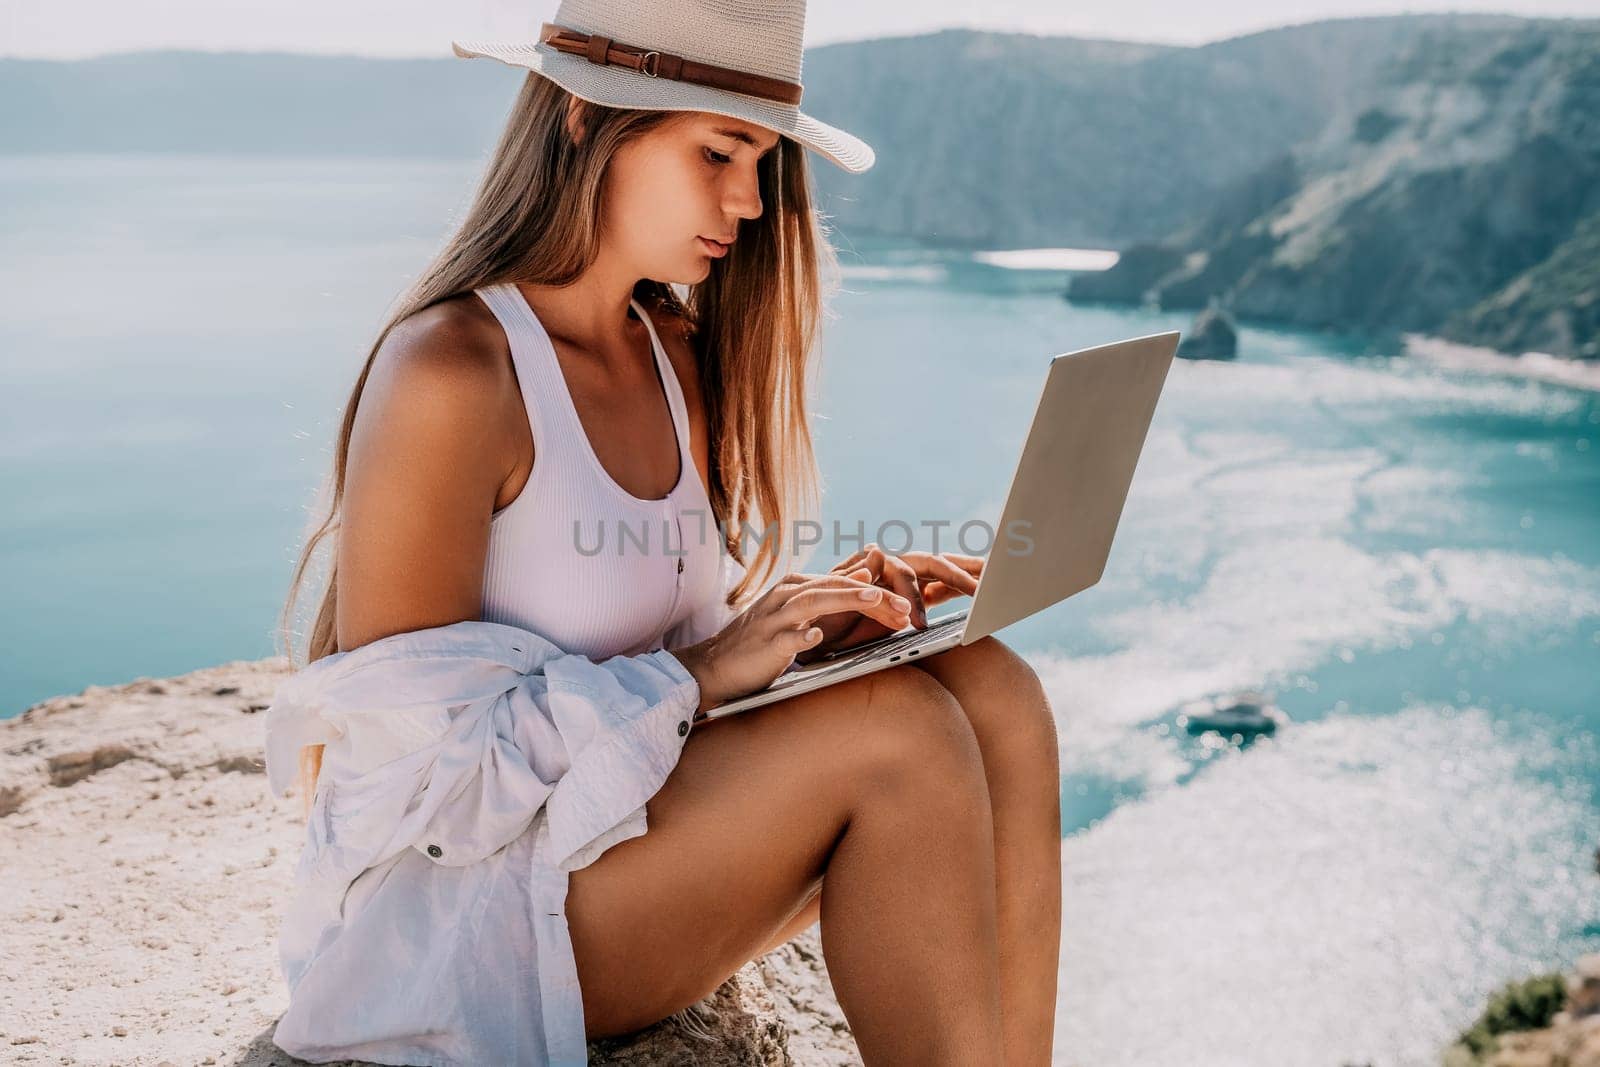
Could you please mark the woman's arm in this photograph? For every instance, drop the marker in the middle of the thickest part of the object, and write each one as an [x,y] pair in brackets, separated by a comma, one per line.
[429,452]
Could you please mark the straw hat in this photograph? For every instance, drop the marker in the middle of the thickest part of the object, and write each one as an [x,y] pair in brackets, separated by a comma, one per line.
[731,57]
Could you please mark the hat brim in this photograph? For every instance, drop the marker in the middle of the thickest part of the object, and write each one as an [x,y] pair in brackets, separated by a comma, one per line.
[619,87]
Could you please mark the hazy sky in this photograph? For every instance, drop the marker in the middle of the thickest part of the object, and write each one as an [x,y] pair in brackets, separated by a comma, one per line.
[63,28]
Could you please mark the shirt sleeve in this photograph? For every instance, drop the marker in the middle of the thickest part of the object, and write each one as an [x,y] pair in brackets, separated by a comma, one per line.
[462,765]
[589,742]
[619,762]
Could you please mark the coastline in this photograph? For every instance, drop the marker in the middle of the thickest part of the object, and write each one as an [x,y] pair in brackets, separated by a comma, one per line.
[1534,366]
[143,920]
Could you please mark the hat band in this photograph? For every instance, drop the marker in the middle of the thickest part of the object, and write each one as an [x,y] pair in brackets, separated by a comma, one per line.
[606,52]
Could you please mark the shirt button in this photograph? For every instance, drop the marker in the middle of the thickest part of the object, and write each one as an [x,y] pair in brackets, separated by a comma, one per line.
[683,728]
[435,851]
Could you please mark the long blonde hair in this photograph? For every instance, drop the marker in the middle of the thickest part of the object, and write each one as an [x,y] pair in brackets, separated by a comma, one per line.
[754,320]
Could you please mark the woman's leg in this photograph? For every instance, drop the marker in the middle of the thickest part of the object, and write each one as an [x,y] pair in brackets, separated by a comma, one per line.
[874,790]
[1011,717]
[1016,733]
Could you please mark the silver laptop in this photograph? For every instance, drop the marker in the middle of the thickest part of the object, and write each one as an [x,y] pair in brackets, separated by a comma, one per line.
[1055,529]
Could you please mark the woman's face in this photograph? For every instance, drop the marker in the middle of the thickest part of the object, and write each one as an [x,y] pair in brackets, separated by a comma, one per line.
[686,182]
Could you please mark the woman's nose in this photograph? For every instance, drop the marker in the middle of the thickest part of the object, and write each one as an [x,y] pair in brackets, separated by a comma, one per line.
[744,198]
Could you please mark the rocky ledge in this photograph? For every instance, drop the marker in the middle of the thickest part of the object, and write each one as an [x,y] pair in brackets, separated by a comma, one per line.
[1550,1020]
[146,863]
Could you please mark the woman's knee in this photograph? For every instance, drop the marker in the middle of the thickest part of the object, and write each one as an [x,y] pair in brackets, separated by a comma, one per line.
[911,733]
[1033,723]
[1004,700]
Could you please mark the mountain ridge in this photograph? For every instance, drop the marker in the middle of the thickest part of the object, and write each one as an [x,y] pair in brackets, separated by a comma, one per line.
[1427,173]
[1458,195]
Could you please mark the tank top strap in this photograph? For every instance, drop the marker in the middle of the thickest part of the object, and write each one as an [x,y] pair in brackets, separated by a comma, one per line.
[674,388]
[552,413]
[558,433]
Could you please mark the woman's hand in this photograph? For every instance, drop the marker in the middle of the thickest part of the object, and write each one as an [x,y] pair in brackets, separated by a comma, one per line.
[925,579]
[761,641]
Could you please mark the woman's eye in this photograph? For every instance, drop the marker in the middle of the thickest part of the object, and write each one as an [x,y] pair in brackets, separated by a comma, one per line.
[717,157]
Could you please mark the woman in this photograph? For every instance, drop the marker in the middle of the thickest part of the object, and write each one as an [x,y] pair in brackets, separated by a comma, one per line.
[541,380]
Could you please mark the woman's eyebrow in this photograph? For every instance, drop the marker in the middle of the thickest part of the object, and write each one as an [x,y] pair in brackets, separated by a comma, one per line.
[740,135]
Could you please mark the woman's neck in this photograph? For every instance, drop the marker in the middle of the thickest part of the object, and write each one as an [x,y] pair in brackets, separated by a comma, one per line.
[591,313]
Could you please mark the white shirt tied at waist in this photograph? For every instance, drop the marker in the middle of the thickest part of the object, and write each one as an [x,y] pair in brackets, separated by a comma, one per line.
[468,769]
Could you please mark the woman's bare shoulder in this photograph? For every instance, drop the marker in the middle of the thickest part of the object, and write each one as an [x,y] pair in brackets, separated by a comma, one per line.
[443,375]
[450,359]
[456,336]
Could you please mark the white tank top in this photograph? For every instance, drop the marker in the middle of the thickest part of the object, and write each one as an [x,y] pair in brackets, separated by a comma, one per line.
[633,568]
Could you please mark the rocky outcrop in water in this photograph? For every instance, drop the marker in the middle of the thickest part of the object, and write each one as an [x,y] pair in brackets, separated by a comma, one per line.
[1213,336]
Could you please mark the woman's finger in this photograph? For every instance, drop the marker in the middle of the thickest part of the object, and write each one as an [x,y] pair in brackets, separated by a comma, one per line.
[859,555]
[781,594]
[845,595]
[859,572]
[801,638]
[902,578]
[956,574]
[849,562]
[950,573]
[809,605]
[842,581]
[954,571]
[972,565]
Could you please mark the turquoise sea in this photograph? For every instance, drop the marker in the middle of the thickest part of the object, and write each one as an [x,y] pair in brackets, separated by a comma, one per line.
[1408,557]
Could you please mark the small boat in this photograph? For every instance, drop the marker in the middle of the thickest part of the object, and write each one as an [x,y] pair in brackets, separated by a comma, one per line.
[1247,712]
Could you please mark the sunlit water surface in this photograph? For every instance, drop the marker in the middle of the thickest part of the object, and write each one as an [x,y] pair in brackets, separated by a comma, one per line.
[1409,558]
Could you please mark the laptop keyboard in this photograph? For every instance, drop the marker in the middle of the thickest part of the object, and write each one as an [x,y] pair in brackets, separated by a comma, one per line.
[906,641]
[891,645]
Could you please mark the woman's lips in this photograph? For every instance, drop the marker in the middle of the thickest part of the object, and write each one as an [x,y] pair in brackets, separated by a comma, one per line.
[712,248]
